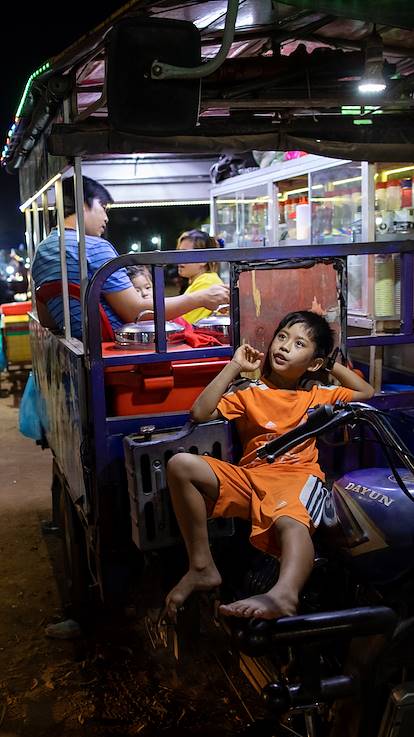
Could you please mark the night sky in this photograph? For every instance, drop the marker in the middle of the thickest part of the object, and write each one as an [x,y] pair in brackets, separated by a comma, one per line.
[35,32]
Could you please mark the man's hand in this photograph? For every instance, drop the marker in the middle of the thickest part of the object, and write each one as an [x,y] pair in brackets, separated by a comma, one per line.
[248,358]
[214,296]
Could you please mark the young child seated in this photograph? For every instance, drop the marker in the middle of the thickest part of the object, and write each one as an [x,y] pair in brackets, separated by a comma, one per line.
[141,281]
[284,499]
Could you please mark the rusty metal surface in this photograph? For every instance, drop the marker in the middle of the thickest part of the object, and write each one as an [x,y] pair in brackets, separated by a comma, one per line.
[267,295]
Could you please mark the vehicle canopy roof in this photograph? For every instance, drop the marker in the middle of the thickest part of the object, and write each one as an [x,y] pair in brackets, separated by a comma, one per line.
[289,82]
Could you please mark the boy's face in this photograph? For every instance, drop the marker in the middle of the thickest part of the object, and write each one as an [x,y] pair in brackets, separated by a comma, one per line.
[292,352]
[142,285]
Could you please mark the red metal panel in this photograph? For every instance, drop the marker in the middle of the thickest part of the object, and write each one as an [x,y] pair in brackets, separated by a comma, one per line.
[267,295]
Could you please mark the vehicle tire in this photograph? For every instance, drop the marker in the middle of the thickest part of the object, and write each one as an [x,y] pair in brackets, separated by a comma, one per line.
[75,562]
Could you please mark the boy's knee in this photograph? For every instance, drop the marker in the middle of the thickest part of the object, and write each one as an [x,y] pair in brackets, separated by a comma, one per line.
[180,465]
[288,524]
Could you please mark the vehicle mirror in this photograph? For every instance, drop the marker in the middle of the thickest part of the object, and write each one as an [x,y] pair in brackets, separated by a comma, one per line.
[138,104]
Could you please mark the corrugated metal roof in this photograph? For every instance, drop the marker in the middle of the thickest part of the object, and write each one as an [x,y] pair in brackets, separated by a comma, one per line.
[288,63]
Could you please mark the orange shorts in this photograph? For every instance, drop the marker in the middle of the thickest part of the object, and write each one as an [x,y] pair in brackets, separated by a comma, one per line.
[264,493]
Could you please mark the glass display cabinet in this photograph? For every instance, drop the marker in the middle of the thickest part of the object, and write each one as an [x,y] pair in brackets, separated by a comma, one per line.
[317,200]
[242,217]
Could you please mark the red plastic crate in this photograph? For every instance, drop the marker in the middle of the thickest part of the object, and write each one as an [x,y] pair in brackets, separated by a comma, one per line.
[158,388]
[16,308]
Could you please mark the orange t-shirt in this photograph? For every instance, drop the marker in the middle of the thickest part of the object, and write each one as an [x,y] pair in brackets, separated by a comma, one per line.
[263,413]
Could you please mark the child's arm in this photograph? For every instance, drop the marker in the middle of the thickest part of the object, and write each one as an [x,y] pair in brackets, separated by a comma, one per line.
[347,378]
[204,408]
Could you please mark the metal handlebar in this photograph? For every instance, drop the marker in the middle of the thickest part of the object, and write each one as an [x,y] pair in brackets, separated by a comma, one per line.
[327,417]
[319,421]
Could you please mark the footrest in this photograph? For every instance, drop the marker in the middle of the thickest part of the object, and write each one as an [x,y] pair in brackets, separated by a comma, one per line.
[258,637]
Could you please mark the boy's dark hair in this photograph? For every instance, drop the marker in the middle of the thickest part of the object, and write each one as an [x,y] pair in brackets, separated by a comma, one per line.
[92,190]
[317,328]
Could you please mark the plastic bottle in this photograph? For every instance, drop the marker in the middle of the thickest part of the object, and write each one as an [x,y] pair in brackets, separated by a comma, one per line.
[302,220]
[281,205]
[289,208]
[291,219]
[406,193]
[393,195]
[381,196]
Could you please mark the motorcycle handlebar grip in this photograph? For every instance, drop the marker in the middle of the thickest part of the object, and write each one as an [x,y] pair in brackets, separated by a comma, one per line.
[316,419]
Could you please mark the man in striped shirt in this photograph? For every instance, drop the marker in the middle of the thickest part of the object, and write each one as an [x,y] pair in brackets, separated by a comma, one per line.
[119,299]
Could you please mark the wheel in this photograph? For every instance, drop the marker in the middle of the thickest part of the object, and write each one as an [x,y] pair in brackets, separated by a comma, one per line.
[75,561]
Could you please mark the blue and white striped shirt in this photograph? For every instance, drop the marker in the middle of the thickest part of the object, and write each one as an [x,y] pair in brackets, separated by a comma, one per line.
[46,267]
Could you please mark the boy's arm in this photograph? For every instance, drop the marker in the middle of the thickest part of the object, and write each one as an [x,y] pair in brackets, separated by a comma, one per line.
[346,377]
[204,408]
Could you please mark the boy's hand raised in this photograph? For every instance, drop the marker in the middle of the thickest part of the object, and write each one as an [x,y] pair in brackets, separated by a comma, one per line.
[247,358]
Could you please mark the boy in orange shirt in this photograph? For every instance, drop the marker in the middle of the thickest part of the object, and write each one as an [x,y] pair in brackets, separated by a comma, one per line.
[284,499]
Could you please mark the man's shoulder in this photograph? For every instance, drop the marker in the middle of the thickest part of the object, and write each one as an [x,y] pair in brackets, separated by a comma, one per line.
[52,239]
[96,245]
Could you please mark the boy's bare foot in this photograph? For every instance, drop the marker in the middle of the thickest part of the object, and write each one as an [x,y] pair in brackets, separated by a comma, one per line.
[194,580]
[263,606]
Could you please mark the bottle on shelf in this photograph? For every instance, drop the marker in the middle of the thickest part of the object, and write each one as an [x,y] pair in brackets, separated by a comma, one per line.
[281,205]
[381,196]
[302,220]
[406,193]
[291,205]
[393,195]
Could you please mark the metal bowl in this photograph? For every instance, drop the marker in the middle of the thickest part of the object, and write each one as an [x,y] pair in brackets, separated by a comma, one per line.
[216,324]
[141,334]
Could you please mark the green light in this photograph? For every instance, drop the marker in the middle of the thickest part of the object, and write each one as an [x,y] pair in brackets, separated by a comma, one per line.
[35,74]
[363,121]
[350,110]
[360,110]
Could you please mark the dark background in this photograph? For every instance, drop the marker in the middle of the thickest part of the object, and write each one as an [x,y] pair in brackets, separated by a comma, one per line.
[31,35]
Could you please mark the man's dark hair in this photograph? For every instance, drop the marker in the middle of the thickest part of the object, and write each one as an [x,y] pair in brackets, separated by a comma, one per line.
[92,190]
[317,328]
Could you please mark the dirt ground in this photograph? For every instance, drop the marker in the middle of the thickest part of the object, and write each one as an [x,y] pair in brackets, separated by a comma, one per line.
[111,684]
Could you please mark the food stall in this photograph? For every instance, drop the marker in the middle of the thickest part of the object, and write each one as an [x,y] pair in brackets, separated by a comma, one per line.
[318,200]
